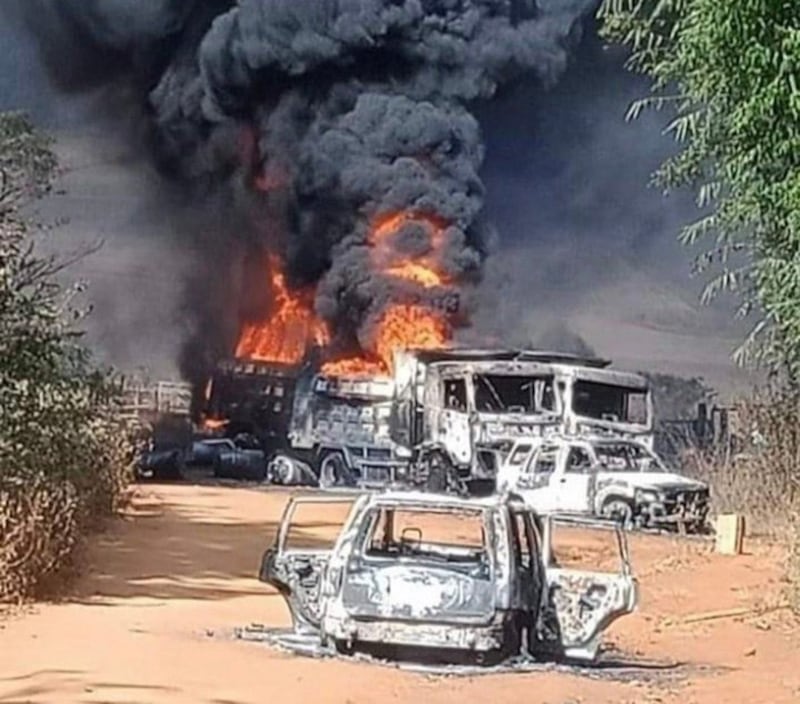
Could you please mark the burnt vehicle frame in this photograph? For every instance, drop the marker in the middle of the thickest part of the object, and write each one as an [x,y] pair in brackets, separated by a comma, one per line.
[459,410]
[435,422]
[451,603]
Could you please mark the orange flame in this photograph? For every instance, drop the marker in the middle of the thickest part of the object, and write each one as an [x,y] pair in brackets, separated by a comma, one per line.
[401,326]
[411,327]
[423,270]
[292,327]
[211,424]
[355,367]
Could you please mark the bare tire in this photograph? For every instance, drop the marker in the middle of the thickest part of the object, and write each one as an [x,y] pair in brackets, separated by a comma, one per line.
[619,510]
[333,472]
[436,479]
[342,647]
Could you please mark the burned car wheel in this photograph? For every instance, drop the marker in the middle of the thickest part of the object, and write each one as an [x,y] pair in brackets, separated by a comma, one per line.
[618,509]
[334,472]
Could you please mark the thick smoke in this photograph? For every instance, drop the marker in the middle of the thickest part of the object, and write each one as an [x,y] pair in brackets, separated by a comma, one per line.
[330,113]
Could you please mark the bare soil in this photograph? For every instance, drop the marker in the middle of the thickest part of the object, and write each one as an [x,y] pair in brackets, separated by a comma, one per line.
[152,622]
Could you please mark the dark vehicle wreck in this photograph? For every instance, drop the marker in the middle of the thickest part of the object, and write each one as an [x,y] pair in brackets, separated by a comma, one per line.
[485,591]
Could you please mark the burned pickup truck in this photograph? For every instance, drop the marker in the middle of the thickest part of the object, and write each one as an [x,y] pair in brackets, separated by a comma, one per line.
[415,576]
[609,477]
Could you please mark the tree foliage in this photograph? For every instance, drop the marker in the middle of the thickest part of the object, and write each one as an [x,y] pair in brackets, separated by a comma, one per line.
[729,72]
[63,450]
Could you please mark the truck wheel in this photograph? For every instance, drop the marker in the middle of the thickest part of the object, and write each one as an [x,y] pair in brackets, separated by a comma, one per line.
[619,510]
[438,469]
[333,472]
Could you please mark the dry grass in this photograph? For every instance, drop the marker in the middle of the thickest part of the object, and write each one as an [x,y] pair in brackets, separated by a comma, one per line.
[759,475]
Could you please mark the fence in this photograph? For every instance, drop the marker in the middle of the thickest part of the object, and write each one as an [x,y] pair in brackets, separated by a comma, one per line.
[142,399]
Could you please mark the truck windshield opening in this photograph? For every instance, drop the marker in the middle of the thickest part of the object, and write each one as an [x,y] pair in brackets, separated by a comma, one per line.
[501,393]
[619,404]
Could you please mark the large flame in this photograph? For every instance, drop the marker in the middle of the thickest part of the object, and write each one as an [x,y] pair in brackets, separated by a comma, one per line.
[292,327]
[401,326]
[423,270]
[410,327]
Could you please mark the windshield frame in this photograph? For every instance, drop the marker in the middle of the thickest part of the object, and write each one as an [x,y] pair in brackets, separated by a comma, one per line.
[643,451]
[540,381]
[628,389]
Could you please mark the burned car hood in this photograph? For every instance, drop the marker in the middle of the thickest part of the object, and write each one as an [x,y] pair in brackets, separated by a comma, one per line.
[651,480]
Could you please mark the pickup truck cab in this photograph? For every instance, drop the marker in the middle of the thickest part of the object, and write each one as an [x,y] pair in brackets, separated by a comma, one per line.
[445,577]
[601,476]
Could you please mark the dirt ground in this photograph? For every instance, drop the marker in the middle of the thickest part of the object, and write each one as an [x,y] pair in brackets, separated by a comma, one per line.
[152,622]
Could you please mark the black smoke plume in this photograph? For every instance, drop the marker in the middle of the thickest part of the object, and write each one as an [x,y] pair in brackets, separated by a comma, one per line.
[313,117]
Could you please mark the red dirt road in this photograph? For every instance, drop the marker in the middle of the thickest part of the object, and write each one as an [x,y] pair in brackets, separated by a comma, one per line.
[150,622]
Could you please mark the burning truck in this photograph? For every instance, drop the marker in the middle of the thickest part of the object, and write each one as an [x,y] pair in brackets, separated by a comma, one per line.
[442,419]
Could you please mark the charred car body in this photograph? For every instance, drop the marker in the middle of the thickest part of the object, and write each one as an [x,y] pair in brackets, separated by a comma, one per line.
[439,420]
[396,578]
[608,477]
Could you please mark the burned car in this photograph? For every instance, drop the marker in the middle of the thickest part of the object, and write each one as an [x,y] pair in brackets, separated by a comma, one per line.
[603,476]
[422,576]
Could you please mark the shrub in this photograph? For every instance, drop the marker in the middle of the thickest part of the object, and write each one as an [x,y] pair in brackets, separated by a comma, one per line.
[759,474]
[64,452]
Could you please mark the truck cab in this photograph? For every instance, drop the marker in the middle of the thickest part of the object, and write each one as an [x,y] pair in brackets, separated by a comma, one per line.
[606,402]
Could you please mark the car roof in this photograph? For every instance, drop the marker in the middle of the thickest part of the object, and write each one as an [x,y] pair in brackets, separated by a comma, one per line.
[427,500]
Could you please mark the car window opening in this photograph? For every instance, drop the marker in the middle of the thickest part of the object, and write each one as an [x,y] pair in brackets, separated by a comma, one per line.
[428,535]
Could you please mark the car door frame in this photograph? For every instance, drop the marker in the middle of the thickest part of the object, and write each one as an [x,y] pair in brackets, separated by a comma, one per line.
[571,617]
[452,422]
[542,494]
[290,570]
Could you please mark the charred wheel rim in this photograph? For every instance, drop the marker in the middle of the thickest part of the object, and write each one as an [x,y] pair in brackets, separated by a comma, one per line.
[281,470]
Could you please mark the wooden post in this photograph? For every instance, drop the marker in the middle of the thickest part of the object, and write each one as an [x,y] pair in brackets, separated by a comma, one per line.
[730,534]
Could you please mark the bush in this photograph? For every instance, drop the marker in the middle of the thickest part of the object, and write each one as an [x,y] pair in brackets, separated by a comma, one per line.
[759,474]
[64,452]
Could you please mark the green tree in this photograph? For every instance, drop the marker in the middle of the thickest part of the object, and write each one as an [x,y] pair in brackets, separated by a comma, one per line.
[63,450]
[730,74]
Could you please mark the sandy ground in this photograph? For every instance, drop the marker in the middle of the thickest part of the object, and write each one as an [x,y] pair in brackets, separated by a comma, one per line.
[151,622]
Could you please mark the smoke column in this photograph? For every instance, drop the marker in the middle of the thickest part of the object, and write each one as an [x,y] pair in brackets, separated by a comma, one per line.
[310,120]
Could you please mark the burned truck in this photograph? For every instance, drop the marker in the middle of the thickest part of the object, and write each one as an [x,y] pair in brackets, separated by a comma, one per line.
[441,420]
[461,410]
